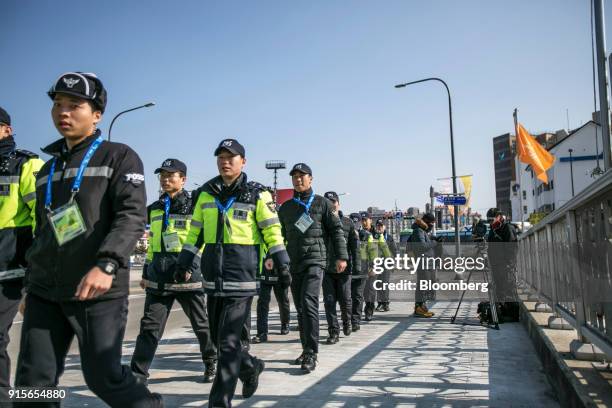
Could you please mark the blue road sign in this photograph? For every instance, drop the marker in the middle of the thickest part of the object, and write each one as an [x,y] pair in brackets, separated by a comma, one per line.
[454,200]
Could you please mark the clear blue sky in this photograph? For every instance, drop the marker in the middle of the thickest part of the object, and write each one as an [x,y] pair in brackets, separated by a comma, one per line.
[309,81]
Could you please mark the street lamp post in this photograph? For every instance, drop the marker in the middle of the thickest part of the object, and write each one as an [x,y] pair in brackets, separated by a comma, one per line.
[450,121]
[146,105]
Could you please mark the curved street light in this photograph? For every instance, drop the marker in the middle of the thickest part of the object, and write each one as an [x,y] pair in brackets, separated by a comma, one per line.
[450,120]
[146,105]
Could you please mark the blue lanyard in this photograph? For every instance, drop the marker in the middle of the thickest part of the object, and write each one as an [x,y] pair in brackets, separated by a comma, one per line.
[225,208]
[166,211]
[76,185]
[308,204]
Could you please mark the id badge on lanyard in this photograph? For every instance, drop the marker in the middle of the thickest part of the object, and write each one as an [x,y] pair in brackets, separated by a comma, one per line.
[171,241]
[304,222]
[67,221]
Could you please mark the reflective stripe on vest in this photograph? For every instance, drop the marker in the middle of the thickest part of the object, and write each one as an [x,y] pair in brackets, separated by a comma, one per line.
[173,286]
[233,285]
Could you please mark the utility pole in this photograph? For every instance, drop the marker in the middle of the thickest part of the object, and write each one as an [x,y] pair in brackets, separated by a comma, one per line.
[602,76]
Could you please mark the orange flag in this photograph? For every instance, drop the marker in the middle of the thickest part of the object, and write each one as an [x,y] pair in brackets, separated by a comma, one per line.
[532,153]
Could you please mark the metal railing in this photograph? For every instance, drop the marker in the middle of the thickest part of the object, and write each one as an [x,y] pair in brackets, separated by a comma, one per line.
[566,259]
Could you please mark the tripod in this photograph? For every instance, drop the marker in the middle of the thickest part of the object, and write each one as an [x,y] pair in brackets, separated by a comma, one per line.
[481,245]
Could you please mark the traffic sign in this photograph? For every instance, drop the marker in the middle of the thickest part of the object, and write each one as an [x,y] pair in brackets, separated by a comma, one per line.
[454,200]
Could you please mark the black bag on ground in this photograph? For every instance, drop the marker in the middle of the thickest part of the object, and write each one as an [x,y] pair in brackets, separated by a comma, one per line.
[506,312]
[484,313]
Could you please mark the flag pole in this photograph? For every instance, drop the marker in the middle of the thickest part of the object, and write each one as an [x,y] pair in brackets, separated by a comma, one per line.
[518,169]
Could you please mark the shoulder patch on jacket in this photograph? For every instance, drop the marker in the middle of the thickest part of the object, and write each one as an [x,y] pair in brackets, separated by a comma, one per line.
[271,206]
[134,178]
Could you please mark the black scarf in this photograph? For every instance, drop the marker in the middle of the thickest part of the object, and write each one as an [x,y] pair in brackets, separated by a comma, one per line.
[7,145]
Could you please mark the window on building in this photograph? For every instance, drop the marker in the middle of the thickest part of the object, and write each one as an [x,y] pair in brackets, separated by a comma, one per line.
[532,192]
[552,184]
[524,209]
[524,195]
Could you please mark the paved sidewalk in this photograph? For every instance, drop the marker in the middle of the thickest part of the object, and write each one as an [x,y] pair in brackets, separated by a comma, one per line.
[395,360]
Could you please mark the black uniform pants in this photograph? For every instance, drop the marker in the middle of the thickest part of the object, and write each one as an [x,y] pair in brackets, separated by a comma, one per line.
[10,296]
[156,311]
[305,289]
[337,288]
[357,287]
[263,305]
[228,317]
[382,295]
[99,325]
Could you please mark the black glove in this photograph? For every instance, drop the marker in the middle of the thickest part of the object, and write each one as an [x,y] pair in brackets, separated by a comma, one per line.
[181,275]
[284,276]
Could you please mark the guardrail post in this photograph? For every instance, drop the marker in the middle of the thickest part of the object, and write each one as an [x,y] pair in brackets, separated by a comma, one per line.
[575,265]
[554,321]
[540,306]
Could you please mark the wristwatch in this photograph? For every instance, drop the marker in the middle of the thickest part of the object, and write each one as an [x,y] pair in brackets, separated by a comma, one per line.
[107,267]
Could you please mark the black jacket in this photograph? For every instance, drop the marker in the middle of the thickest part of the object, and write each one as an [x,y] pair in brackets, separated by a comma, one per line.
[112,201]
[309,248]
[161,268]
[351,236]
[420,242]
[502,247]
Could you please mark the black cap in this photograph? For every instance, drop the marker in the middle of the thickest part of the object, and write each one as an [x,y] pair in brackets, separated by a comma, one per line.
[365,215]
[428,217]
[379,222]
[302,168]
[5,117]
[83,85]
[232,146]
[172,165]
[493,212]
[331,195]
[355,217]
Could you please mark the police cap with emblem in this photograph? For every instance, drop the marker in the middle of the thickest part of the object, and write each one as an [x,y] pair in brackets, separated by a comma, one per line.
[302,168]
[331,195]
[5,117]
[365,215]
[172,166]
[83,85]
[355,217]
[232,146]
[380,222]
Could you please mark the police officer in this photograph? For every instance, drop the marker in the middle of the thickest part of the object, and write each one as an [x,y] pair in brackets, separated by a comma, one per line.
[272,280]
[386,247]
[376,247]
[236,221]
[90,212]
[309,223]
[337,286]
[169,218]
[18,170]
[360,275]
